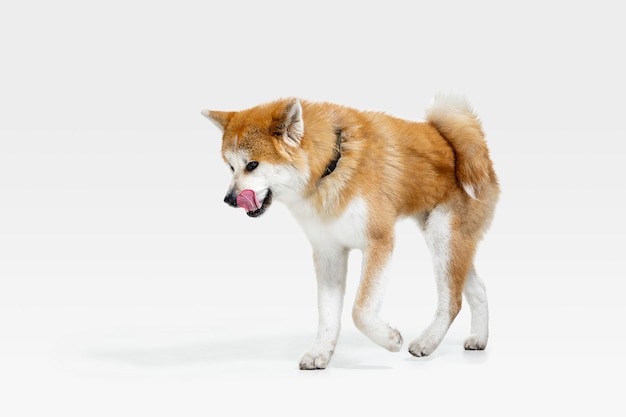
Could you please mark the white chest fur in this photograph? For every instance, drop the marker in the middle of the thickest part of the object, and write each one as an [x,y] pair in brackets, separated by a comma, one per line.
[347,230]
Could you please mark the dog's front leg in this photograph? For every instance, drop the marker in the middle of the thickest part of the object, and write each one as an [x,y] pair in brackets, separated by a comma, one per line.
[370,294]
[331,269]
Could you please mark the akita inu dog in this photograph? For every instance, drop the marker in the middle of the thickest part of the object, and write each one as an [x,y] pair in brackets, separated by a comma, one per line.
[347,176]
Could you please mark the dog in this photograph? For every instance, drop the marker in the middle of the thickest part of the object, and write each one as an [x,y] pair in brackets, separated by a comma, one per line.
[347,176]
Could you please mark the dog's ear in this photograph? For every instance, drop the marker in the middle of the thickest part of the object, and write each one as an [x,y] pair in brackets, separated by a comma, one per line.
[219,118]
[289,124]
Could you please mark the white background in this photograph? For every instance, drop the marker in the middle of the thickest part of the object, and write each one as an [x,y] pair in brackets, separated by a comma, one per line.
[127,287]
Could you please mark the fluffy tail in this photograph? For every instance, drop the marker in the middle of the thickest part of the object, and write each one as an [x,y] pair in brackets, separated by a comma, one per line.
[456,121]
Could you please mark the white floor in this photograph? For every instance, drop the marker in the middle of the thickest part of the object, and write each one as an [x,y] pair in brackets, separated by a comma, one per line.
[171,362]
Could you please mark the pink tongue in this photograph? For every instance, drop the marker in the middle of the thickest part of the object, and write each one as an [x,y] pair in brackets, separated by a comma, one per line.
[247,200]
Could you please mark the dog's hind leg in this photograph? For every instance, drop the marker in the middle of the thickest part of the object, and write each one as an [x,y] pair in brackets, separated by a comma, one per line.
[476,296]
[331,269]
[371,291]
[452,258]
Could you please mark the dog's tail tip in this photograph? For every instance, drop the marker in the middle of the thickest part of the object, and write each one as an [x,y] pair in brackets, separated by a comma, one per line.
[445,104]
[453,116]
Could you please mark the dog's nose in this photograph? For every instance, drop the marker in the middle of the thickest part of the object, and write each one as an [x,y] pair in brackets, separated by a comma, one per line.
[231,199]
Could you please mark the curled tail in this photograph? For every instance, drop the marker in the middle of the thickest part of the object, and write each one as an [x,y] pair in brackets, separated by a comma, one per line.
[456,121]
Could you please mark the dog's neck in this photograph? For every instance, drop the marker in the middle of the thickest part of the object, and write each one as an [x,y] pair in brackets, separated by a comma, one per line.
[333,162]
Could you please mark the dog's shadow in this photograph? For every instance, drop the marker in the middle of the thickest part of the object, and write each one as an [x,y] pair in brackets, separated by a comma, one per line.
[202,352]
[353,351]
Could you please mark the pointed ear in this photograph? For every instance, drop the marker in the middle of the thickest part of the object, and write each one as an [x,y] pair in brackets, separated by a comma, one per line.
[219,118]
[289,124]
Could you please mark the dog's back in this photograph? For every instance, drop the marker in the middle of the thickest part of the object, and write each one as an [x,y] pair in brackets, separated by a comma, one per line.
[401,167]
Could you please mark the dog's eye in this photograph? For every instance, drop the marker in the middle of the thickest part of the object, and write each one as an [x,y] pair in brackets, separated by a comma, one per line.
[252,166]
[231,168]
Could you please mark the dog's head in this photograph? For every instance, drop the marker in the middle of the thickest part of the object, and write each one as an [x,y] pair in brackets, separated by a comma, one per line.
[261,146]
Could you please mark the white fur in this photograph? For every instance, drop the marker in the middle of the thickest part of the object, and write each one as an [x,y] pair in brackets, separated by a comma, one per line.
[476,296]
[348,230]
[237,158]
[284,180]
[469,190]
[242,180]
[295,124]
[331,268]
[437,231]
[331,241]
[445,104]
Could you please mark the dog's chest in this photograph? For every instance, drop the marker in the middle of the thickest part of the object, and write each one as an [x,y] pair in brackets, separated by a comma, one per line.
[348,229]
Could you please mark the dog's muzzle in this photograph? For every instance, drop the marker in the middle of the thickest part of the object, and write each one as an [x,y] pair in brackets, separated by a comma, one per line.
[232,200]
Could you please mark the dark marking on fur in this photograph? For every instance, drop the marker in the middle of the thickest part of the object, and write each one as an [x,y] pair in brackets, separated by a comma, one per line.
[333,163]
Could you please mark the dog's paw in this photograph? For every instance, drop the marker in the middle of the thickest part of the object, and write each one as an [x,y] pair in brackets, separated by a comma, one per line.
[382,334]
[474,343]
[311,361]
[395,341]
[422,347]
